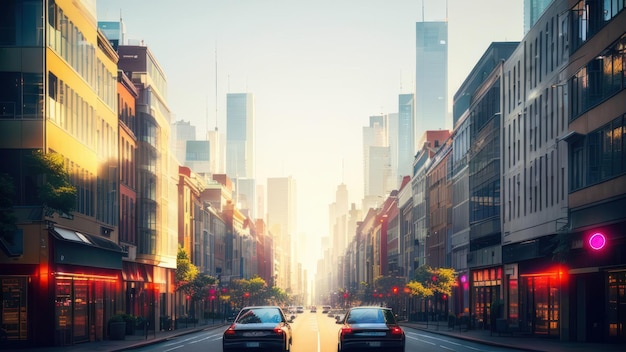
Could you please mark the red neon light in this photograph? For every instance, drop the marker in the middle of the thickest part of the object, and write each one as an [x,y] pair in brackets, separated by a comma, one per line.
[597,241]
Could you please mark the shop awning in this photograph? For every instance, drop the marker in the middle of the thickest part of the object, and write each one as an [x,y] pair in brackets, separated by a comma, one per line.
[78,248]
[137,272]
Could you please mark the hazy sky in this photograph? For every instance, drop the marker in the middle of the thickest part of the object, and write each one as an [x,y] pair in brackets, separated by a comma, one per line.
[317,68]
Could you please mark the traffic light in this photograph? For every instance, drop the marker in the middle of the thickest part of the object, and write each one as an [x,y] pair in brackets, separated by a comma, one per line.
[395,290]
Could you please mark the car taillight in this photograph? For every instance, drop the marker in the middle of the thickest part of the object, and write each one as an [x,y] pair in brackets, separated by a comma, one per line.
[278,330]
[346,331]
[396,331]
[230,330]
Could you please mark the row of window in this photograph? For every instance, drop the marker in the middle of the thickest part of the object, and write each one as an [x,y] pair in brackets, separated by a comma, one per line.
[70,43]
[600,156]
[70,111]
[599,79]
[589,16]
[21,95]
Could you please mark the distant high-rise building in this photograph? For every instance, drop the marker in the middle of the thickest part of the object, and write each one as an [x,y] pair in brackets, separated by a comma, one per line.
[281,218]
[246,196]
[240,135]
[533,9]
[114,31]
[217,151]
[197,156]
[182,131]
[392,143]
[431,77]
[406,135]
[377,173]
[374,135]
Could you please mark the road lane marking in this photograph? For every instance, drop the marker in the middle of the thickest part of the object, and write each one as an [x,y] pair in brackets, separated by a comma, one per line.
[318,340]
[416,339]
[175,348]
[441,340]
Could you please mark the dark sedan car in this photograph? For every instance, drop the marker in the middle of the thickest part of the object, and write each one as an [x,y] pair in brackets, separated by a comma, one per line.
[370,328]
[261,327]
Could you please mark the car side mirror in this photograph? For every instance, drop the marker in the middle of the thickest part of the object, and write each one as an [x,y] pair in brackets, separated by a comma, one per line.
[292,318]
[338,320]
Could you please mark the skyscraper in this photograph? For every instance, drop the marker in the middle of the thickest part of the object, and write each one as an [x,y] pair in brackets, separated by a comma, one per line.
[182,131]
[431,77]
[533,9]
[281,218]
[376,161]
[406,137]
[240,135]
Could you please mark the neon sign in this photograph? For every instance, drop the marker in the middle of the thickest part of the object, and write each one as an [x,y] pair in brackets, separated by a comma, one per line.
[597,241]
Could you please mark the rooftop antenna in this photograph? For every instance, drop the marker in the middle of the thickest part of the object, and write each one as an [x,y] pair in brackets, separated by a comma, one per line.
[207,112]
[122,31]
[215,87]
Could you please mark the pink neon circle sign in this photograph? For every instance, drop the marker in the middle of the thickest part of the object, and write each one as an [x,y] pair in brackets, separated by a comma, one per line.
[597,241]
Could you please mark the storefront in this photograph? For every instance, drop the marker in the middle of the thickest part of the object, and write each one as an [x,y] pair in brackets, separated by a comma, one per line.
[86,279]
[139,292]
[539,302]
[486,286]
[60,291]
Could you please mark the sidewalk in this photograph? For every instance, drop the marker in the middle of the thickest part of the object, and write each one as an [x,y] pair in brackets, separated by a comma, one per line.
[517,341]
[131,341]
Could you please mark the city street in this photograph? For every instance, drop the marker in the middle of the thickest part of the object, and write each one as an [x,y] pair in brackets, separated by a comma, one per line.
[316,332]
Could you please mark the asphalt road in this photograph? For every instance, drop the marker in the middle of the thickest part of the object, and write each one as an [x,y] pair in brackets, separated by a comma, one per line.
[316,332]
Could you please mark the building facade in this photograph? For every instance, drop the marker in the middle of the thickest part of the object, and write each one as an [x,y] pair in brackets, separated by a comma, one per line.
[431,77]
[240,122]
[157,176]
[59,101]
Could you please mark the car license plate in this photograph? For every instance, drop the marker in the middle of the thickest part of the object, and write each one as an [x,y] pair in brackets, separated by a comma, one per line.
[252,344]
[374,344]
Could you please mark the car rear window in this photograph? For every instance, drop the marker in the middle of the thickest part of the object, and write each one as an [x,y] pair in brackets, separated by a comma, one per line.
[365,316]
[259,315]
[371,316]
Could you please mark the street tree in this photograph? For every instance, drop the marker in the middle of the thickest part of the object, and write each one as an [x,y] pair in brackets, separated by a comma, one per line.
[56,192]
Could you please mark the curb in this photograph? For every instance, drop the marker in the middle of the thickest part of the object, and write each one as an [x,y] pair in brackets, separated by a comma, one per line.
[163,339]
[470,338]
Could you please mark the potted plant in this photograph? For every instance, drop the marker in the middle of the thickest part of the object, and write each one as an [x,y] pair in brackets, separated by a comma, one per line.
[131,323]
[117,327]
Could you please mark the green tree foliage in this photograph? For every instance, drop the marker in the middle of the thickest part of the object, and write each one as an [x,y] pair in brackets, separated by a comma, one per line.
[385,284]
[277,295]
[255,291]
[188,278]
[417,289]
[428,281]
[7,219]
[185,270]
[56,192]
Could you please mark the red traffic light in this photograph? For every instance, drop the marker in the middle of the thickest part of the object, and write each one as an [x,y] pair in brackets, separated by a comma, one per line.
[394,290]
